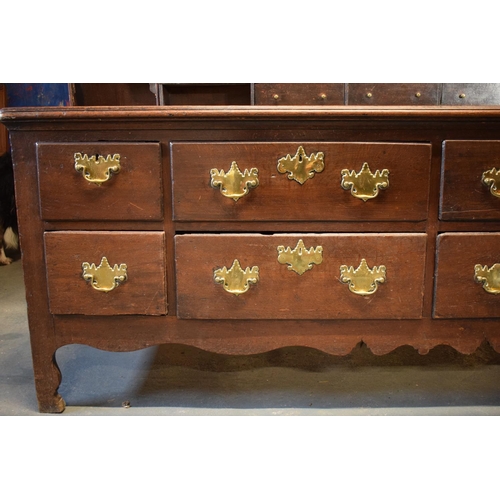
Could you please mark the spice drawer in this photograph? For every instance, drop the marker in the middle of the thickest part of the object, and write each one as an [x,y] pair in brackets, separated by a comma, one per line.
[300,276]
[106,273]
[300,181]
[100,181]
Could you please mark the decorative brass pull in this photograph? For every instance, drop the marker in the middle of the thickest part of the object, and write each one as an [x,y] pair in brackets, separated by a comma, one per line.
[489,277]
[364,184]
[97,170]
[491,179]
[301,167]
[234,184]
[363,280]
[235,280]
[300,259]
[104,278]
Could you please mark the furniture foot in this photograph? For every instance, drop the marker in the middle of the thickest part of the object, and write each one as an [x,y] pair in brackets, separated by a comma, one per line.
[47,381]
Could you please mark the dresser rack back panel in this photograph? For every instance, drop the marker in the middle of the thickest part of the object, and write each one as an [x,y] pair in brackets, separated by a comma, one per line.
[146,232]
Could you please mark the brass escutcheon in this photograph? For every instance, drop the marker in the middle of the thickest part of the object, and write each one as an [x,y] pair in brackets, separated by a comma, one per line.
[301,167]
[489,277]
[97,170]
[104,278]
[364,185]
[300,259]
[491,179]
[363,280]
[234,184]
[235,280]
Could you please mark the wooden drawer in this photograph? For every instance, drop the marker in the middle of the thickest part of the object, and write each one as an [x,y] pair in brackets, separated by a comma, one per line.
[464,196]
[143,291]
[283,293]
[300,94]
[134,193]
[279,198]
[459,293]
[471,94]
[396,94]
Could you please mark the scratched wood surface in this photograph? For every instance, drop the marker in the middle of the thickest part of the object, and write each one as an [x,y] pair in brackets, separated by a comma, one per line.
[134,193]
[144,254]
[320,198]
[281,293]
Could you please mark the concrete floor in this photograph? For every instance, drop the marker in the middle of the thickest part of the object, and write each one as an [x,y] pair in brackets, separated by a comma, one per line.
[180,380]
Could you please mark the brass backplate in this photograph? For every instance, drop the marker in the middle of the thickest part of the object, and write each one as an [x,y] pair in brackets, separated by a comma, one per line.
[97,169]
[491,178]
[300,259]
[234,183]
[104,278]
[364,184]
[236,280]
[301,167]
[489,277]
[363,280]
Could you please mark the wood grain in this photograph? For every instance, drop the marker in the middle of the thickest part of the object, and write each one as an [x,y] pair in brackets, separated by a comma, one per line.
[144,292]
[283,294]
[299,94]
[463,195]
[457,294]
[320,198]
[134,193]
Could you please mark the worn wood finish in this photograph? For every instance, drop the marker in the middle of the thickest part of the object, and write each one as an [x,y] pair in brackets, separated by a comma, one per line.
[134,193]
[204,94]
[470,94]
[425,127]
[283,294]
[299,94]
[143,253]
[458,295]
[321,198]
[463,195]
[398,94]
[113,94]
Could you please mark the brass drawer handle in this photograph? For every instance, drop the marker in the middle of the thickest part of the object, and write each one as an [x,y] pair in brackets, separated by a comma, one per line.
[97,169]
[489,277]
[235,280]
[300,259]
[364,184]
[301,167]
[233,183]
[363,280]
[104,278]
[491,179]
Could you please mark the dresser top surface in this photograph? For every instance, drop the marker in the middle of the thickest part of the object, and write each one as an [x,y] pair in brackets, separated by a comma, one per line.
[10,116]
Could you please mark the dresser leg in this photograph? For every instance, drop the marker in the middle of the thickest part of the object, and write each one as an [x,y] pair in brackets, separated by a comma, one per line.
[47,380]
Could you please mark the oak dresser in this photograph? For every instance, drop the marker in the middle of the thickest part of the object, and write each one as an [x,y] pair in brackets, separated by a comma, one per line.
[241,229]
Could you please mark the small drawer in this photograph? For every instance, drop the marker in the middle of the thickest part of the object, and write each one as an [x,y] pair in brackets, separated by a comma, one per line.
[467,276]
[300,276]
[470,186]
[393,94]
[299,94]
[300,181]
[100,181]
[106,273]
[471,94]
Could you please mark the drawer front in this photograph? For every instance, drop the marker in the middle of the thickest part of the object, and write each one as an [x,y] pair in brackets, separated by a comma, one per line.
[272,280]
[464,194]
[132,281]
[300,181]
[132,191]
[462,290]
[299,94]
[397,94]
[471,94]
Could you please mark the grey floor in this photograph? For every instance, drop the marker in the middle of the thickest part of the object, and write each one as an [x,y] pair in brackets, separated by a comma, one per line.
[180,380]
